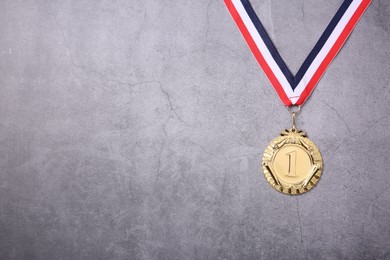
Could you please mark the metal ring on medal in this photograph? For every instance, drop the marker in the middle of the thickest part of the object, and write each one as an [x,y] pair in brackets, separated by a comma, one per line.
[292,163]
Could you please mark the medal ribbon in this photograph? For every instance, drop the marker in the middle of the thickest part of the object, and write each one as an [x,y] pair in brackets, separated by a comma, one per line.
[294,90]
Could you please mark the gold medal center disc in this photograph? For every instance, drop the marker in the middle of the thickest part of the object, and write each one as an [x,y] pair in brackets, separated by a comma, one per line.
[292,163]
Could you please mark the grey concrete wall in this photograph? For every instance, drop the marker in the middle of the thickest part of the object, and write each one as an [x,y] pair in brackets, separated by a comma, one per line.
[134,130]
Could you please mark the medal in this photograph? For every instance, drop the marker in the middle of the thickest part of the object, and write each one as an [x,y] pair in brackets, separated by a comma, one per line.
[292,163]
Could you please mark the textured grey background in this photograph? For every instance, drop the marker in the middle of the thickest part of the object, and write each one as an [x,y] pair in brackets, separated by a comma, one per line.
[134,130]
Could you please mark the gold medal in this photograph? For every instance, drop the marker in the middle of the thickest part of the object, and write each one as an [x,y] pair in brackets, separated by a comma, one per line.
[292,163]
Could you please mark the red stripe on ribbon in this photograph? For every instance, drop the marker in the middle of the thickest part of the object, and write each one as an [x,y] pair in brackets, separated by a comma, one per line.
[256,52]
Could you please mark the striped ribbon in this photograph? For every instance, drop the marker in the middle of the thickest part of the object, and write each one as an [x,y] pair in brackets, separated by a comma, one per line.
[294,90]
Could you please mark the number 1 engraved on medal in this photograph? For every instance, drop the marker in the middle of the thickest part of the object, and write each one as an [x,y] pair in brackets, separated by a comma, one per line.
[292,159]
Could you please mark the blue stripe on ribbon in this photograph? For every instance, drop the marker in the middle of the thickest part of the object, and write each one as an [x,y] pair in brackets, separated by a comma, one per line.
[294,80]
